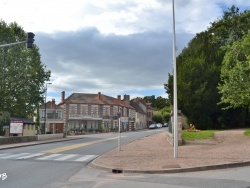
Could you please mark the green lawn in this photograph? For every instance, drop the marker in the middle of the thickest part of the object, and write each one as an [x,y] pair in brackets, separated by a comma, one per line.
[247,132]
[197,135]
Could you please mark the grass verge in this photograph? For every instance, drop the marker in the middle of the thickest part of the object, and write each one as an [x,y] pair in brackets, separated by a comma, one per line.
[247,132]
[197,135]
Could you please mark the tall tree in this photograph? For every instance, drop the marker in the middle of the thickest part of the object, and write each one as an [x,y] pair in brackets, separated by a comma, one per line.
[235,74]
[199,68]
[22,74]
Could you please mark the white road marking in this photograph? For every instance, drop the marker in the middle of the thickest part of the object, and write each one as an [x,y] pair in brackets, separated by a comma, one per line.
[14,155]
[31,155]
[65,157]
[49,157]
[85,158]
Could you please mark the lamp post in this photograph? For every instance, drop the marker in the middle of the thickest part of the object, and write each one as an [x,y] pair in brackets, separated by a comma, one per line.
[45,107]
[175,89]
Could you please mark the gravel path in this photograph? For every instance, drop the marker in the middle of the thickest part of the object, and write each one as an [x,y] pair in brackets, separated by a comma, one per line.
[155,153]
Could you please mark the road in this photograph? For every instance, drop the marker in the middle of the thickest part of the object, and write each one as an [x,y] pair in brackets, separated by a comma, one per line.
[46,165]
[64,165]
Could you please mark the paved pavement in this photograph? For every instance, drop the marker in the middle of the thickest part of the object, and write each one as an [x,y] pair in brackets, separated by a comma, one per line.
[153,154]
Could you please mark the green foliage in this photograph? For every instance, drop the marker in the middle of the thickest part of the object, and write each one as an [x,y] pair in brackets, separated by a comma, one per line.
[247,132]
[197,135]
[166,113]
[22,74]
[157,118]
[235,74]
[4,120]
[199,70]
[157,103]
[169,89]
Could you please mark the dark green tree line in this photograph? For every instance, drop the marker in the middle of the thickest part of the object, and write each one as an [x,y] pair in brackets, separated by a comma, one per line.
[199,70]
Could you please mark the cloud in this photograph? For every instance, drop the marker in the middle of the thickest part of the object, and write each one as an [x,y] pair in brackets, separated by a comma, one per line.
[88,61]
[111,46]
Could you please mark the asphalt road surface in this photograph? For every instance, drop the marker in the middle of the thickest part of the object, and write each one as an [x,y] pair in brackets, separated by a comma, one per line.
[64,165]
[48,165]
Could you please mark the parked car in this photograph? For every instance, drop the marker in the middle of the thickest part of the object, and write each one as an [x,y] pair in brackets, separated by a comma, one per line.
[152,126]
[165,125]
[159,125]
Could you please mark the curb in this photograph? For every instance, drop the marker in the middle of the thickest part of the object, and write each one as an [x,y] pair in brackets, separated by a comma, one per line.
[172,170]
[10,146]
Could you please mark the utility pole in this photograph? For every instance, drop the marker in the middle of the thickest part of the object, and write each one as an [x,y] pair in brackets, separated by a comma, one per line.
[119,126]
[175,89]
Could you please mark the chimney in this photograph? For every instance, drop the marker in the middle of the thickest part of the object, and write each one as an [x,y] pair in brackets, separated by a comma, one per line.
[119,97]
[63,97]
[126,99]
[53,103]
[99,95]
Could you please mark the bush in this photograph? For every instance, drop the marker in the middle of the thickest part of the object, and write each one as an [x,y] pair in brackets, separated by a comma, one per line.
[157,117]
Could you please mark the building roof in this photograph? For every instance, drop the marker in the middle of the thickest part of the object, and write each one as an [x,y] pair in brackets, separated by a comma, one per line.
[137,107]
[50,105]
[98,99]
[25,120]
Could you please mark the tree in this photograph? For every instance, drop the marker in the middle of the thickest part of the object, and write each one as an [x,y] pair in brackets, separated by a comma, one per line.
[22,74]
[169,89]
[157,118]
[4,120]
[160,102]
[235,75]
[157,103]
[199,69]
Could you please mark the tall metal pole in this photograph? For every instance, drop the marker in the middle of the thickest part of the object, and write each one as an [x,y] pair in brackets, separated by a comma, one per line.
[45,118]
[119,129]
[175,89]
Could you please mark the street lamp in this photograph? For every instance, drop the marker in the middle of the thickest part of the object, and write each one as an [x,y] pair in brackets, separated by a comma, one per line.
[175,89]
[45,107]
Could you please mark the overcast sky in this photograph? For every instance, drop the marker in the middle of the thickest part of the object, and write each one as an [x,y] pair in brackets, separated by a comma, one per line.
[115,47]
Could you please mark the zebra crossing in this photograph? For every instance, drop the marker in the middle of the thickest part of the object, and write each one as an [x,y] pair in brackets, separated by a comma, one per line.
[48,157]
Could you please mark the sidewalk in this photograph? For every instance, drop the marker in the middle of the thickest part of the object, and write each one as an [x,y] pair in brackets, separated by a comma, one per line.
[154,154]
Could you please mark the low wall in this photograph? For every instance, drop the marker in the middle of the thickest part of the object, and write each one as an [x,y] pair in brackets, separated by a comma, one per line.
[49,136]
[21,139]
[17,139]
[170,138]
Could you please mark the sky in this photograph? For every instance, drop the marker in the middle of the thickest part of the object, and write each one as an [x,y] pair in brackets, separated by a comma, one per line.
[115,47]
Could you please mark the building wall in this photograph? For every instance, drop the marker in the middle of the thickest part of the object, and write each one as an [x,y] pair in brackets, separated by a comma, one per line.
[141,121]
[80,114]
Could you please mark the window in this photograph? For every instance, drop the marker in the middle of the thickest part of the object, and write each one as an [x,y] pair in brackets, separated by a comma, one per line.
[89,110]
[72,110]
[78,108]
[111,110]
[59,114]
[43,114]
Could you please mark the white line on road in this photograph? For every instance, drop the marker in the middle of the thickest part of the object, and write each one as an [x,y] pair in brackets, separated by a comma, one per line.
[15,155]
[65,157]
[49,157]
[85,158]
[31,155]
